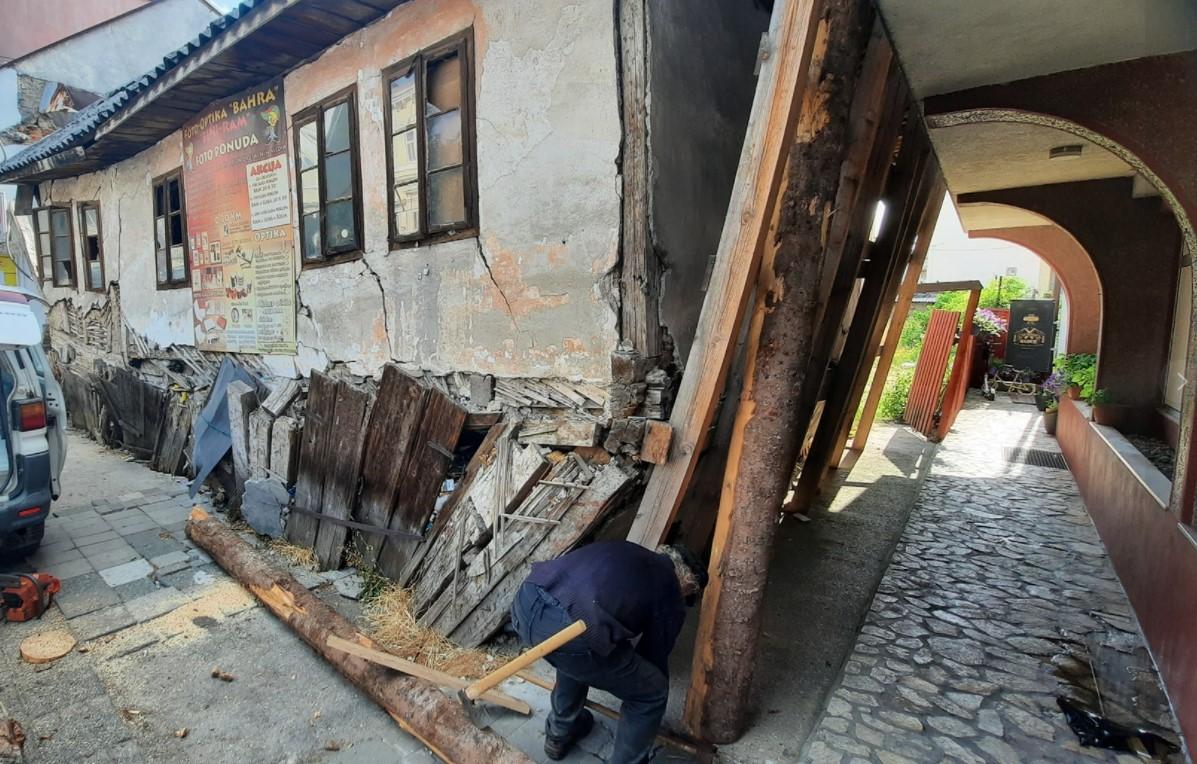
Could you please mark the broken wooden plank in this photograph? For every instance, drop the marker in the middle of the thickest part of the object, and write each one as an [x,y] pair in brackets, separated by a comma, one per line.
[419,707]
[285,439]
[437,677]
[340,486]
[260,425]
[242,400]
[658,436]
[390,435]
[423,474]
[579,519]
[281,396]
[787,50]
[560,432]
[313,460]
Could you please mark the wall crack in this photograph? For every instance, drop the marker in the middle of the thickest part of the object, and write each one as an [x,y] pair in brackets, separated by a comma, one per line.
[386,317]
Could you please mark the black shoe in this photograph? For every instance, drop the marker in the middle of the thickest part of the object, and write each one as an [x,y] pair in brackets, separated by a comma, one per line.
[556,748]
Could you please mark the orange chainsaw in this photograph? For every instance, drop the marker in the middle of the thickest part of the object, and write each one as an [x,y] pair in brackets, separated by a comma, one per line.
[25,596]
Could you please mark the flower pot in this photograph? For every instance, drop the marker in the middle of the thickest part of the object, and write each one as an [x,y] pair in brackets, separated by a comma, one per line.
[1109,414]
[1049,421]
[1074,392]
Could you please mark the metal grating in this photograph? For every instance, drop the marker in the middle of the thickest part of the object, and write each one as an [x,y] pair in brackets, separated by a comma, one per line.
[1037,458]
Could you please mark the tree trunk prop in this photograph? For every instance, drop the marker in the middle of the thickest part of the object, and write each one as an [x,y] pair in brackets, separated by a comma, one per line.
[416,705]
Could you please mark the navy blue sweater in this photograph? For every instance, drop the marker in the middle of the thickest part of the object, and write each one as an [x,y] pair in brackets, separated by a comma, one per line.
[620,590]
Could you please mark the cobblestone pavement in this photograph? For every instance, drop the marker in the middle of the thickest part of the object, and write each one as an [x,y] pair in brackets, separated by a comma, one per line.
[999,600]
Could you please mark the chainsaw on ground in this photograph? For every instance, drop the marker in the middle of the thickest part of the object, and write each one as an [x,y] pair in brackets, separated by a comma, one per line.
[25,596]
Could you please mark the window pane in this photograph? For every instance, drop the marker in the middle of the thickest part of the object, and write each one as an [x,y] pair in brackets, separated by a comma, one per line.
[176,228]
[336,128]
[338,180]
[160,233]
[404,152]
[339,229]
[93,275]
[43,244]
[60,223]
[311,236]
[307,146]
[444,85]
[163,276]
[62,271]
[43,220]
[444,140]
[403,102]
[62,248]
[91,224]
[47,267]
[159,205]
[91,248]
[175,200]
[407,209]
[310,188]
[178,268]
[446,198]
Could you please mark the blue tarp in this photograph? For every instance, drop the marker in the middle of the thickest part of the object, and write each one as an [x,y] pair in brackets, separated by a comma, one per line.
[212,439]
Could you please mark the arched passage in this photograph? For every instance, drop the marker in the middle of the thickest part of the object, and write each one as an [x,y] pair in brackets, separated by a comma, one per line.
[1072,264]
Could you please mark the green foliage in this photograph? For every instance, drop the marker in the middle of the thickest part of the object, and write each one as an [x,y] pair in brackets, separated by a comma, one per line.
[1079,369]
[895,395]
[999,292]
[915,328]
[955,301]
[1098,397]
[1052,405]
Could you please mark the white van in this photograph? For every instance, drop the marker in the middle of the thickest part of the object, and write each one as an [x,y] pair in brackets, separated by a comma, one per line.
[32,426]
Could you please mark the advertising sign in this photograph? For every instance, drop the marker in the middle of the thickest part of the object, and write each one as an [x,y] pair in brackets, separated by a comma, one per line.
[236,178]
[1031,334]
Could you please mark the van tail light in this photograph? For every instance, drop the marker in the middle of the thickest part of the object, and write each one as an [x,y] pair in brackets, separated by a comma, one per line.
[29,415]
[31,512]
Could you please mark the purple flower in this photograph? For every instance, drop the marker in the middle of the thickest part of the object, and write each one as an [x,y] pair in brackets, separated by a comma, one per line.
[988,322]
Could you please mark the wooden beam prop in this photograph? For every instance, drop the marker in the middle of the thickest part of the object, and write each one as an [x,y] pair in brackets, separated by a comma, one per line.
[907,198]
[953,396]
[786,54]
[764,445]
[419,707]
[935,287]
[893,334]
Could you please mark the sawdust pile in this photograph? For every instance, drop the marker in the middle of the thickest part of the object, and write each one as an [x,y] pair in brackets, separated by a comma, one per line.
[296,556]
[394,626]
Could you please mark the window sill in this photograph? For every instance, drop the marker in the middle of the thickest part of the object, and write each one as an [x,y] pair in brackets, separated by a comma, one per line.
[344,257]
[172,287]
[439,238]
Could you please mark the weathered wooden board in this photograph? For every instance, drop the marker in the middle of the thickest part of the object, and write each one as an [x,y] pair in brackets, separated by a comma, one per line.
[394,421]
[423,474]
[560,432]
[340,486]
[281,396]
[313,460]
[242,401]
[285,439]
[658,436]
[600,496]
[175,430]
[260,424]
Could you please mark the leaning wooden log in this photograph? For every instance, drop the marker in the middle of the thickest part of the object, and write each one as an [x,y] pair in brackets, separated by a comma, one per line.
[421,709]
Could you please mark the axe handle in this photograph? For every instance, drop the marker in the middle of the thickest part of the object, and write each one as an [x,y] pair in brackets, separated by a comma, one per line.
[477,689]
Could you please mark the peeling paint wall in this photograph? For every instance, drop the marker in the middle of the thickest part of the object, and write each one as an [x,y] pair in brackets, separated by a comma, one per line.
[702,55]
[527,298]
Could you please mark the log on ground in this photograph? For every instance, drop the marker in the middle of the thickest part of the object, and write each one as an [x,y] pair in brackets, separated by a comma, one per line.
[421,709]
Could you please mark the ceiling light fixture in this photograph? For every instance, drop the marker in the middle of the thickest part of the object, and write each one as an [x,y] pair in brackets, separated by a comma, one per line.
[1068,151]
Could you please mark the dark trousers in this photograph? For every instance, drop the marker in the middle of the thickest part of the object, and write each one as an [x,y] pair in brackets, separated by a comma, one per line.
[642,687]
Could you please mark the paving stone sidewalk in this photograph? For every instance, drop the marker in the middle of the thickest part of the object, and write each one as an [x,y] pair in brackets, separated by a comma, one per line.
[998,601]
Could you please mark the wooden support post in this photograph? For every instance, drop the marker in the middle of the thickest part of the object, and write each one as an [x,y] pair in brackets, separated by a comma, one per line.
[640,274]
[923,233]
[786,54]
[910,189]
[763,448]
[242,400]
[421,709]
[284,448]
[893,334]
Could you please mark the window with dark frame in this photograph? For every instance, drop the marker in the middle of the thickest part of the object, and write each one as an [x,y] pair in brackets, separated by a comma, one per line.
[430,144]
[55,245]
[170,232]
[329,179]
[93,246]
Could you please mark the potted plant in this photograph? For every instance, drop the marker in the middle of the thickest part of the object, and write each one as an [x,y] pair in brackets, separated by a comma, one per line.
[987,324]
[1049,391]
[1079,371]
[1050,416]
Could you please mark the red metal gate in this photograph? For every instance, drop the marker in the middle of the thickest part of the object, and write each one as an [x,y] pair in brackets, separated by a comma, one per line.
[923,402]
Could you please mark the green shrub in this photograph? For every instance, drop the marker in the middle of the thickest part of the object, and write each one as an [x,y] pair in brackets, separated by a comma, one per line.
[915,328]
[893,398]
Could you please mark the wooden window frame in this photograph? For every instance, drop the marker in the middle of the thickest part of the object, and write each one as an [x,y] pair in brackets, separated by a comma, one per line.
[87,285]
[463,44]
[163,180]
[73,283]
[315,113]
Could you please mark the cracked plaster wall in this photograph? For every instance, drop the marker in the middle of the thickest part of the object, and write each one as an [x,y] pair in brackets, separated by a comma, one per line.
[525,297]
